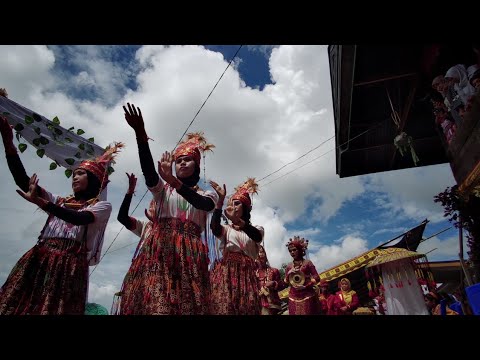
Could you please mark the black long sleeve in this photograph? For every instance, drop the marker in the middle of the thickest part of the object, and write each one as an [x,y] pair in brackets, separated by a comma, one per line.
[215,225]
[253,233]
[71,216]
[198,201]
[19,174]
[147,164]
[123,217]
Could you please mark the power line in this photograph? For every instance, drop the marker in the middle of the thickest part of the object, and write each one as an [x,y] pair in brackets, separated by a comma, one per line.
[201,107]
[438,233]
[181,137]
[115,238]
[318,157]
[120,248]
[291,162]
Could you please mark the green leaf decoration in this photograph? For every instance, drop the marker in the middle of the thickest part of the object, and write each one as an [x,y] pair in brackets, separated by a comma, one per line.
[56,121]
[78,155]
[58,131]
[68,173]
[70,129]
[110,170]
[81,146]
[80,132]
[43,140]
[50,127]
[36,142]
[18,127]
[17,135]
[70,161]
[67,139]
[37,130]
[53,166]
[22,147]
[37,117]
[41,152]
[91,139]
[28,120]
[91,153]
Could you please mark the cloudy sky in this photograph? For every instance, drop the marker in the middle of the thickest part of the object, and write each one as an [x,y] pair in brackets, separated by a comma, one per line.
[271,107]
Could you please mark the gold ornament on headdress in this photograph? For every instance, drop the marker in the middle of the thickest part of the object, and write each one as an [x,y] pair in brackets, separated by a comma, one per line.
[99,167]
[242,191]
[249,186]
[298,242]
[195,144]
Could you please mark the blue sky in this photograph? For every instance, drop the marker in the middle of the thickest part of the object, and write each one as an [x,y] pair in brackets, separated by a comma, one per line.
[253,67]
[272,107]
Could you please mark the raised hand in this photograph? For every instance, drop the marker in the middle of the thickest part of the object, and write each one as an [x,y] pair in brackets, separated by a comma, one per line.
[230,211]
[222,192]
[134,118]
[132,183]
[234,218]
[32,194]
[165,167]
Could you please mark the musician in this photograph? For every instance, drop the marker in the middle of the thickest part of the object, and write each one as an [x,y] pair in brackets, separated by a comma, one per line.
[301,275]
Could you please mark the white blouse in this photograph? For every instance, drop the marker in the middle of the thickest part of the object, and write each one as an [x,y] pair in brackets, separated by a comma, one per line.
[237,241]
[169,204]
[58,228]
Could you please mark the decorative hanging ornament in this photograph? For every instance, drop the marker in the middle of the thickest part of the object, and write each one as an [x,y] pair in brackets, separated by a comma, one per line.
[404,143]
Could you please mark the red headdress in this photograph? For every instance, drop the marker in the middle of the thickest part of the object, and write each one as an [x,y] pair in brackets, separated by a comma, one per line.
[242,192]
[99,166]
[299,243]
[193,146]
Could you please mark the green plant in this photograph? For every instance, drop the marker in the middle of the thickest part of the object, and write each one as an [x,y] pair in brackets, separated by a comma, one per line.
[464,211]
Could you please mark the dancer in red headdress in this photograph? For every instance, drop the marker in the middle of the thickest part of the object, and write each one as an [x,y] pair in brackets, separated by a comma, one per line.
[234,283]
[169,271]
[301,275]
[52,277]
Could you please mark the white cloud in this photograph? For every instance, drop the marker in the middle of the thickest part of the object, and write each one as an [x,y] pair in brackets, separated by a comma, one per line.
[409,193]
[397,230]
[328,256]
[446,249]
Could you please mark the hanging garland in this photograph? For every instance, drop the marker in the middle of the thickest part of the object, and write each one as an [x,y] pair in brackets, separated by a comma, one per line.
[66,147]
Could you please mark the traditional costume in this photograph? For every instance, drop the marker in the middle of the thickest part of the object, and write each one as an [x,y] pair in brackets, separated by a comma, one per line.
[169,271]
[233,279]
